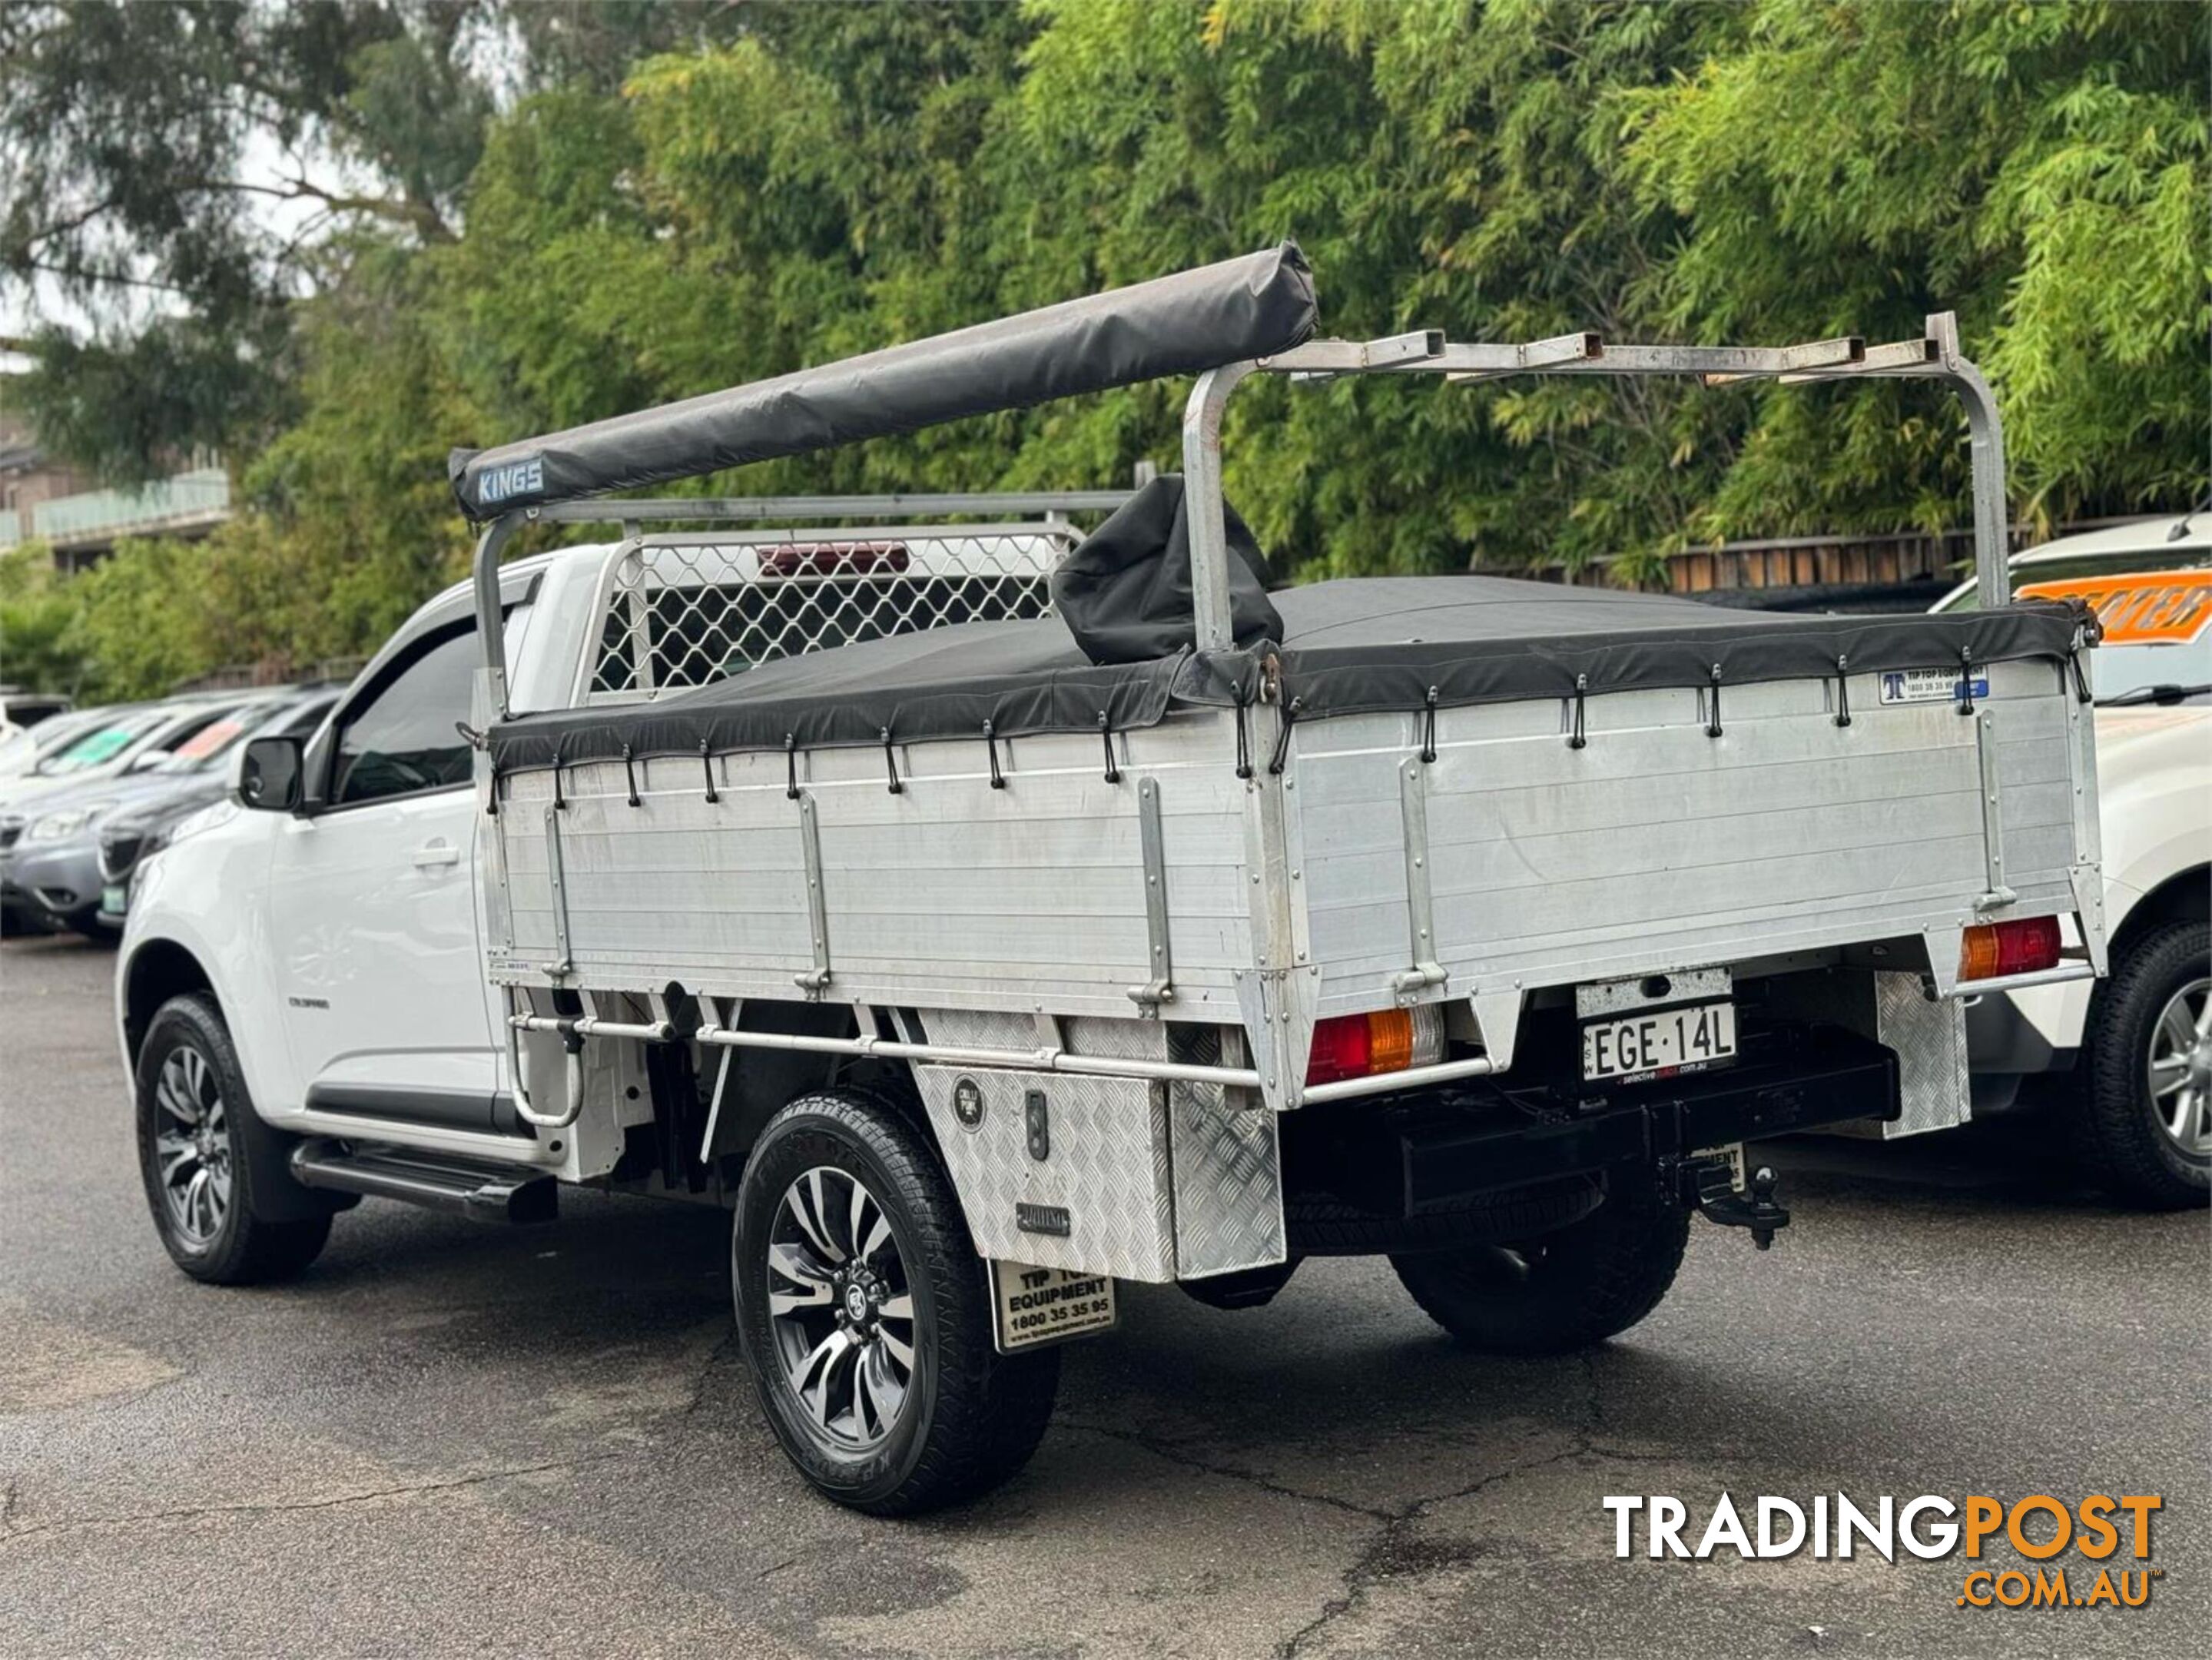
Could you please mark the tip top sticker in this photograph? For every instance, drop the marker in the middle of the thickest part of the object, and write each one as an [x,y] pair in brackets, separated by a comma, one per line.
[1931,686]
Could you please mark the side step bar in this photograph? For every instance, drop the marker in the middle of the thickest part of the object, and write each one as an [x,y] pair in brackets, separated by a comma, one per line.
[490,1192]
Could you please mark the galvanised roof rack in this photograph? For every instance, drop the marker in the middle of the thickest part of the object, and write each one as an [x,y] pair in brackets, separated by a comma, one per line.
[1935,355]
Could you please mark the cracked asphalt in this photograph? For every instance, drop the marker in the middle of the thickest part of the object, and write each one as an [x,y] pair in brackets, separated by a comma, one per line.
[449,1437]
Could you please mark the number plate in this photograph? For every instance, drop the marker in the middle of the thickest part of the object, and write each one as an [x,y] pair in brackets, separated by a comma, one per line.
[1658,1042]
[114,899]
[1033,1306]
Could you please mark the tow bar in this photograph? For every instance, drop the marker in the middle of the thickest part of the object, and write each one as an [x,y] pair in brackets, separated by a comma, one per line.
[1709,1184]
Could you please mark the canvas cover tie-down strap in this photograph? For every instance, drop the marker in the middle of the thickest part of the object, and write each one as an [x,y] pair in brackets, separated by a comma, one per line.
[1194,321]
[1374,644]
[1361,645]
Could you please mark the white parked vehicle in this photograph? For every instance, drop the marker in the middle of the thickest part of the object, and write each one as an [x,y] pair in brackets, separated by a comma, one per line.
[2131,1056]
[18,751]
[54,732]
[129,738]
[24,746]
[988,914]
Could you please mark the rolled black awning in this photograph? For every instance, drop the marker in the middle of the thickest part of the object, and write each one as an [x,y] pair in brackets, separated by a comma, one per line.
[1252,306]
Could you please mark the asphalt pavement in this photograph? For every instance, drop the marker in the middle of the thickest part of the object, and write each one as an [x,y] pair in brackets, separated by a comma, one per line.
[449,1437]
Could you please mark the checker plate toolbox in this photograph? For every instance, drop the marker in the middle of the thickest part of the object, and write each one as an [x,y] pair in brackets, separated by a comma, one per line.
[1097,908]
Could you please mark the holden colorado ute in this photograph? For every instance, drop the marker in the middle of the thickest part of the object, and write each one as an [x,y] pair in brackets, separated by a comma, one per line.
[987,914]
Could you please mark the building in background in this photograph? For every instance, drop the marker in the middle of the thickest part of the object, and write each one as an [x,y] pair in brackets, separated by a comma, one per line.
[43,500]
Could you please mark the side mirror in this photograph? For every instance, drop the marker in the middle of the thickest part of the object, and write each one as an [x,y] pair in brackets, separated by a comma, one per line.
[269,775]
[148,761]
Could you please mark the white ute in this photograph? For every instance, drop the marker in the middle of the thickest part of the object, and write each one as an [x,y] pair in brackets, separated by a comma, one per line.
[2129,1060]
[987,914]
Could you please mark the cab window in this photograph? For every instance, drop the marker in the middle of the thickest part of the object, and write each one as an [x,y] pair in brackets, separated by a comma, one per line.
[404,739]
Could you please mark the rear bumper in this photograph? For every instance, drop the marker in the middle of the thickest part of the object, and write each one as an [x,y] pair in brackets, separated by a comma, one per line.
[1422,1156]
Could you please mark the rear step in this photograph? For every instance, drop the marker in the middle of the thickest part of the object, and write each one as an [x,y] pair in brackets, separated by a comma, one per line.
[490,1192]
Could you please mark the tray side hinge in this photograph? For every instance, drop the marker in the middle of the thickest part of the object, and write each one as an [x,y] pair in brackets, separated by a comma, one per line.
[1997,895]
[557,882]
[815,980]
[1420,906]
[1159,963]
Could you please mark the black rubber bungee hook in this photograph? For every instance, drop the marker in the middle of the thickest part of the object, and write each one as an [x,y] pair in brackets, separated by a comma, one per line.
[1282,758]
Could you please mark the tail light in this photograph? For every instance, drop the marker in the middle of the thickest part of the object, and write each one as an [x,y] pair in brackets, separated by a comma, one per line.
[1362,1045]
[836,559]
[2020,947]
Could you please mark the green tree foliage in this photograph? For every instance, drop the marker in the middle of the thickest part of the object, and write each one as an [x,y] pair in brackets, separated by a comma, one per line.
[683,198]
[176,172]
[36,622]
[143,150]
[1850,164]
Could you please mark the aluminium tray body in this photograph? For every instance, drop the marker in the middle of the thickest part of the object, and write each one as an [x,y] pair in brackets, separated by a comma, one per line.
[1356,877]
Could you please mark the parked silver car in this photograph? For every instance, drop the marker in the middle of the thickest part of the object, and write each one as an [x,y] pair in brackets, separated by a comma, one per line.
[49,842]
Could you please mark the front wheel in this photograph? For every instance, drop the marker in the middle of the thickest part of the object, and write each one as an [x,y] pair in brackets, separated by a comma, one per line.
[865,1317]
[195,1125]
[1563,1290]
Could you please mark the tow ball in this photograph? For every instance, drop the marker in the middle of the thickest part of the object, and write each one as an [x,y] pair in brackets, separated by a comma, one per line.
[1709,1184]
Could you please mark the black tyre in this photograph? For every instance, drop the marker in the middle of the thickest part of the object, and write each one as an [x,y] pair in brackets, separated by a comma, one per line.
[2142,1110]
[865,1318]
[195,1126]
[1564,1290]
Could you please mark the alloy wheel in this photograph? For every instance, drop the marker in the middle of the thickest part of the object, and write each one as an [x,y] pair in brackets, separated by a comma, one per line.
[191,1146]
[840,1307]
[2179,1067]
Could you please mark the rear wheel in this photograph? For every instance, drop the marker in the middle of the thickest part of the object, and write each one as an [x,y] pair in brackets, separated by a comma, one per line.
[194,1124]
[864,1313]
[2143,1119]
[1563,1290]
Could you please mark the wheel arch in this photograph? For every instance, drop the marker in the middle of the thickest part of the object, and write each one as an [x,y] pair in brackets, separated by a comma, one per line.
[157,970]
[762,1082]
[161,970]
[2185,896]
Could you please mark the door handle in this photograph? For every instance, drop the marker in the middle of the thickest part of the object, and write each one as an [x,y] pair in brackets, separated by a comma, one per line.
[433,854]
